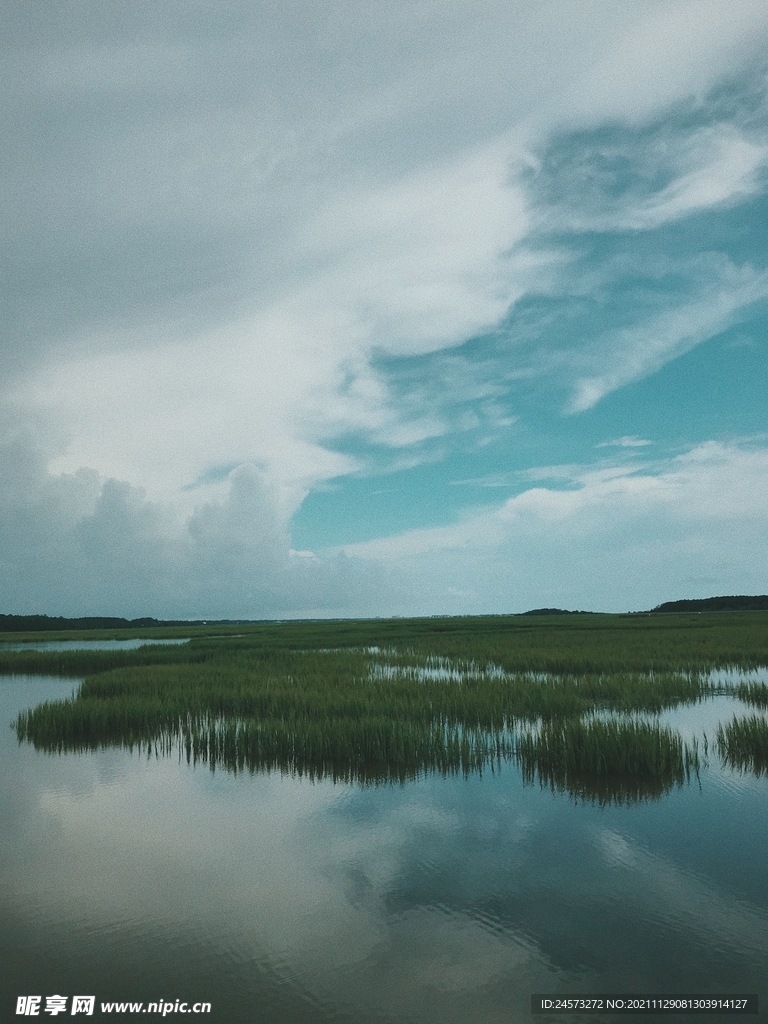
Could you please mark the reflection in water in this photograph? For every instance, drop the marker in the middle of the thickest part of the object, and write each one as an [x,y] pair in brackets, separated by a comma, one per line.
[755,693]
[298,902]
[743,744]
[614,761]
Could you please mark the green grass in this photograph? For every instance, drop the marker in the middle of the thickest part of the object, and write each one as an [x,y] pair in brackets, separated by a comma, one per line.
[330,713]
[743,744]
[607,761]
[359,699]
[334,686]
[755,694]
[567,644]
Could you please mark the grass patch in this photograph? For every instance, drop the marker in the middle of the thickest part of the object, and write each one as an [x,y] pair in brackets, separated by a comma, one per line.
[142,702]
[743,744]
[611,762]
[755,694]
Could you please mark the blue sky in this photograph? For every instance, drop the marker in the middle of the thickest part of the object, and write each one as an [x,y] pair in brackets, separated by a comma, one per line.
[439,308]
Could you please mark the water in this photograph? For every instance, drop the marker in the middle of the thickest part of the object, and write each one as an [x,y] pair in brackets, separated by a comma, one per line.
[88,645]
[451,671]
[444,900]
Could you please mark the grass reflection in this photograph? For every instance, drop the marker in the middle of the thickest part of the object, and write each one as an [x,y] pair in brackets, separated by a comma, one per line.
[743,744]
[610,762]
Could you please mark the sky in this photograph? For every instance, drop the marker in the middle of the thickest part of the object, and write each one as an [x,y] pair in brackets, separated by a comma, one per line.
[320,308]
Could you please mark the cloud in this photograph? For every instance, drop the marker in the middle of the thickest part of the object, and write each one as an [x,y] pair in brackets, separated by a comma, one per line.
[625,442]
[665,53]
[725,170]
[408,268]
[76,544]
[610,537]
[692,526]
[422,262]
[280,234]
[598,324]
[631,353]
[641,179]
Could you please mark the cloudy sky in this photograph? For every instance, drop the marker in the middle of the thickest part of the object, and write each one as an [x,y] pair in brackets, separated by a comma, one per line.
[319,307]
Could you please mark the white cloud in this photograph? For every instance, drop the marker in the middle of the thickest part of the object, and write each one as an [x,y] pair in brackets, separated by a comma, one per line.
[625,442]
[405,269]
[631,353]
[77,544]
[335,213]
[725,169]
[616,538]
[667,52]
[422,262]
[708,168]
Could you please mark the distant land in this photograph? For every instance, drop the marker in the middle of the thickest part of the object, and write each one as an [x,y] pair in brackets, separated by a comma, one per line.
[716,604]
[553,611]
[44,623]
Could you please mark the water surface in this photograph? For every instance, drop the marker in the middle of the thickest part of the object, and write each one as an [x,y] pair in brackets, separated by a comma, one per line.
[87,645]
[443,900]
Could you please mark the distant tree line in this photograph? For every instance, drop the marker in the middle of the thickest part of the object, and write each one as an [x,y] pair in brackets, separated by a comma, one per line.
[705,604]
[553,611]
[716,604]
[43,623]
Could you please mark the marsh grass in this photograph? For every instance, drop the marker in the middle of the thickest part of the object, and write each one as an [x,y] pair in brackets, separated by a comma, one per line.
[369,751]
[553,644]
[755,694]
[391,700]
[336,714]
[608,761]
[142,701]
[743,744]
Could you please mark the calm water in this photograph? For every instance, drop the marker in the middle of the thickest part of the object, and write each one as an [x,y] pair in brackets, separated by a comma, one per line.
[279,900]
[87,645]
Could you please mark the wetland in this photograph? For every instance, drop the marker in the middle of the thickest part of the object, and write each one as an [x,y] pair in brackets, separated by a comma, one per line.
[390,820]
